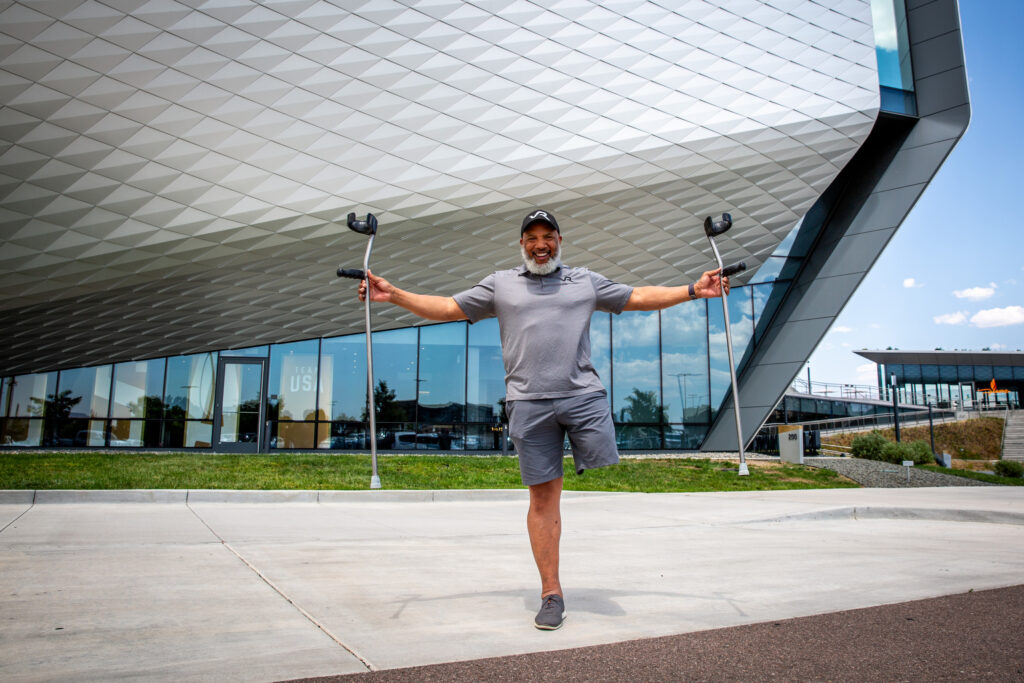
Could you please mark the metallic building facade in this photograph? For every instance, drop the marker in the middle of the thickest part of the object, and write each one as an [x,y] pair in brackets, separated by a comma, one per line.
[174,174]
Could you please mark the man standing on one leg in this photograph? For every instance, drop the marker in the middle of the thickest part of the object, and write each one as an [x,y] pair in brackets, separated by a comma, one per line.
[552,390]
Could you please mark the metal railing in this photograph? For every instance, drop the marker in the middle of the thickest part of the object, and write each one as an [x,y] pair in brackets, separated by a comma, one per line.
[766,439]
[838,390]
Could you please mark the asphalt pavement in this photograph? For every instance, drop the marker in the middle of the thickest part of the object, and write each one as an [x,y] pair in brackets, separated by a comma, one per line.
[266,586]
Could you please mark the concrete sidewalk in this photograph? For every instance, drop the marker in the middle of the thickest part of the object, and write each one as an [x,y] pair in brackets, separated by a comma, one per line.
[265,586]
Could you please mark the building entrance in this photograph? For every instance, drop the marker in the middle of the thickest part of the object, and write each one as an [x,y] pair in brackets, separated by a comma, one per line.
[240,409]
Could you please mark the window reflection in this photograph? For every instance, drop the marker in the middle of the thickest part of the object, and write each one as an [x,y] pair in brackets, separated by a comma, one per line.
[250,352]
[82,393]
[343,392]
[138,389]
[6,386]
[438,387]
[601,347]
[892,44]
[486,377]
[684,361]
[636,368]
[190,382]
[742,328]
[292,402]
[188,400]
[137,405]
[343,377]
[28,395]
[293,378]
[394,367]
[442,376]
[85,391]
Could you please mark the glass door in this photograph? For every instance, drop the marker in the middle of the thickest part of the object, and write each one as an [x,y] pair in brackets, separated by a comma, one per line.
[240,408]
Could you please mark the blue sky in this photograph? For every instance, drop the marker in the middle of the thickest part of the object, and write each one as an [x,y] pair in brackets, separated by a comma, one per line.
[953,275]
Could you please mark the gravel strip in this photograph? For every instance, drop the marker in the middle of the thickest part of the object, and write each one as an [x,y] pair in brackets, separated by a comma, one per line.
[875,474]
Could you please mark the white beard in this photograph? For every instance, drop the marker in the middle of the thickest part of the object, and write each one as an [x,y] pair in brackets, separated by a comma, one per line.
[537,269]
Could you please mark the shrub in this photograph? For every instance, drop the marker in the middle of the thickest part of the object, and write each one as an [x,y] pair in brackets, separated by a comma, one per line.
[1009,468]
[892,452]
[917,451]
[868,446]
[920,452]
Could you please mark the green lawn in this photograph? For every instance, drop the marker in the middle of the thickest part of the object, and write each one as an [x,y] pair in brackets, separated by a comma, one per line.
[330,471]
[980,476]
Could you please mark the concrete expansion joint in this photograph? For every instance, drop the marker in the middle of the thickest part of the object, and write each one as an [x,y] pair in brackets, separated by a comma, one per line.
[25,512]
[263,577]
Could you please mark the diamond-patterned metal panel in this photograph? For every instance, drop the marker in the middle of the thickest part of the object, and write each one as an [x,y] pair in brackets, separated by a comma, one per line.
[175,175]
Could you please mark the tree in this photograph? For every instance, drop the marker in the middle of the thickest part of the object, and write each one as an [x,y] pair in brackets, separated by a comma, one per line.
[55,409]
[643,406]
[386,408]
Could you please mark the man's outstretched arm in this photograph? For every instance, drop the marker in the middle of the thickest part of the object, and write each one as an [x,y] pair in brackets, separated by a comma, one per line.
[655,298]
[441,308]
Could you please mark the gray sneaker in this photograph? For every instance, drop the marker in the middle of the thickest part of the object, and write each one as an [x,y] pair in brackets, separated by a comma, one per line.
[551,614]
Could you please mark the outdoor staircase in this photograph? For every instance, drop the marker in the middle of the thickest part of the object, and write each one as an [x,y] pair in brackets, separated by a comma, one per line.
[1013,436]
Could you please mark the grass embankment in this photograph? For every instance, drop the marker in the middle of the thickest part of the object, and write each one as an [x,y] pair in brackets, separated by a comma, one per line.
[980,476]
[975,444]
[329,471]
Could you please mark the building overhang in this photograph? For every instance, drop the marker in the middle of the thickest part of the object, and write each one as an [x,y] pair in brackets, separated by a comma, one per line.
[176,180]
[943,357]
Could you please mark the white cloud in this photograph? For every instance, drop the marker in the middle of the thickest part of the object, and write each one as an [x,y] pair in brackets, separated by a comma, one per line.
[842,329]
[994,347]
[999,317]
[866,374]
[958,318]
[911,283]
[976,293]
[883,18]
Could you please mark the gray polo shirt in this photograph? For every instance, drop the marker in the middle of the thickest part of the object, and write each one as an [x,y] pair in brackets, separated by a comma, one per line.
[545,326]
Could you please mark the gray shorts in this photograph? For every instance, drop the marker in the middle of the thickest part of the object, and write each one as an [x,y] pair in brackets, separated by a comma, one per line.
[538,429]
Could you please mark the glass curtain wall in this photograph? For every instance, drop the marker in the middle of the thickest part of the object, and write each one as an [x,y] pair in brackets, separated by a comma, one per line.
[437,387]
[485,386]
[637,406]
[741,321]
[892,50]
[292,401]
[26,408]
[188,401]
[957,386]
[684,378]
[138,404]
[343,393]
[441,387]
[76,412]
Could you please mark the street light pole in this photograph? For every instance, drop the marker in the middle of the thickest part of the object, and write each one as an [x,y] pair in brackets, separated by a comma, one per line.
[682,389]
[895,407]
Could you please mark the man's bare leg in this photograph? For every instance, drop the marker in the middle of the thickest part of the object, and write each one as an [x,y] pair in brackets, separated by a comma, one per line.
[544,523]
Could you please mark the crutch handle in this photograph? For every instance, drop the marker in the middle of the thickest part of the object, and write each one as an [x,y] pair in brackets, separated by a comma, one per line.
[354,273]
[734,268]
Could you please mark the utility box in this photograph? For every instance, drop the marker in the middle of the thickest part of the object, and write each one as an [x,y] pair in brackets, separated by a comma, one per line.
[791,444]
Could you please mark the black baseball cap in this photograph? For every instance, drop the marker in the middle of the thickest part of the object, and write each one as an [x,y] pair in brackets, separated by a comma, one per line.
[539,216]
